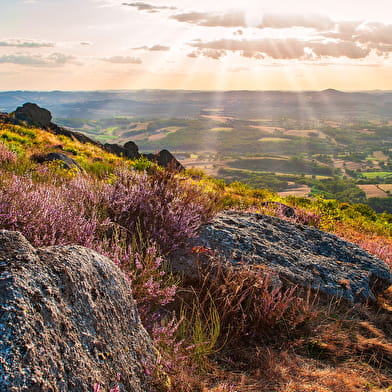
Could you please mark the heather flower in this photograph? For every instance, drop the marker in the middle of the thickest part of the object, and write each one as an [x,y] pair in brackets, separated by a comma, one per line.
[6,156]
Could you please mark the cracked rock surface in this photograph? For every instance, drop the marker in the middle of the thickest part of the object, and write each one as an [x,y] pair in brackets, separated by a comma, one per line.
[297,253]
[67,320]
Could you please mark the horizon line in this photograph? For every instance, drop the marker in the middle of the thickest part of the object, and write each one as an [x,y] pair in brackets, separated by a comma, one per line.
[200,90]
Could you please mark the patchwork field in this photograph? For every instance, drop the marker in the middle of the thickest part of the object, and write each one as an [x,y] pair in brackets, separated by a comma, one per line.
[306,133]
[272,139]
[301,191]
[268,129]
[373,175]
[374,190]
[386,187]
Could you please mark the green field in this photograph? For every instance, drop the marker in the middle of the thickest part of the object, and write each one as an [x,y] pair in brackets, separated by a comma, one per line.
[373,175]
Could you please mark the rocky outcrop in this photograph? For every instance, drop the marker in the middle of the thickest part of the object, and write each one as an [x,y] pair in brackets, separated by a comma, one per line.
[32,114]
[299,254]
[68,320]
[130,150]
[67,162]
[165,159]
[6,119]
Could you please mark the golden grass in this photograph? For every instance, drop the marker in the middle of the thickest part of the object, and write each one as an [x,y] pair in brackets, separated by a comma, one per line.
[221,129]
[348,351]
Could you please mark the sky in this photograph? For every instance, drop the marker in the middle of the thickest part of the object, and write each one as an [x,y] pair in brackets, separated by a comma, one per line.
[198,45]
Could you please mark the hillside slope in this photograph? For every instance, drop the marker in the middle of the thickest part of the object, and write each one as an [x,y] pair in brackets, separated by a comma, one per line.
[230,327]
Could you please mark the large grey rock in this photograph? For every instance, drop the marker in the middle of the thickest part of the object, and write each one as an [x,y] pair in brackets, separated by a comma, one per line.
[129,150]
[132,150]
[33,115]
[68,162]
[300,254]
[67,320]
[166,159]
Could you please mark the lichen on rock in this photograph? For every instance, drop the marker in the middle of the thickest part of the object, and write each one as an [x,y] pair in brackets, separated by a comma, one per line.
[299,254]
[67,320]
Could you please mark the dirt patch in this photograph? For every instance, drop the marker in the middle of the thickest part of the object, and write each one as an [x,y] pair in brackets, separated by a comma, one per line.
[300,191]
[306,133]
[273,139]
[222,119]
[340,164]
[385,187]
[268,129]
[373,191]
[380,155]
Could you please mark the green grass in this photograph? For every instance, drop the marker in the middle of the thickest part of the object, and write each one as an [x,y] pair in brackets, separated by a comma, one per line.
[110,130]
[373,175]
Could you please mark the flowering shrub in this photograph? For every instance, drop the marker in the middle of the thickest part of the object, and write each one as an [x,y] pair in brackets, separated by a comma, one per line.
[300,216]
[249,301]
[130,218]
[47,214]
[6,156]
[377,245]
[167,210]
[85,211]
[152,287]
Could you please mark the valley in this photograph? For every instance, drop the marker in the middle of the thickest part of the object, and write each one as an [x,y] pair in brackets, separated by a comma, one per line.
[337,145]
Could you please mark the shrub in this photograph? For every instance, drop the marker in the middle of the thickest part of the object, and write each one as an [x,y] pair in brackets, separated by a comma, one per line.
[142,164]
[250,301]
[6,156]
[167,210]
[152,287]
[48,214]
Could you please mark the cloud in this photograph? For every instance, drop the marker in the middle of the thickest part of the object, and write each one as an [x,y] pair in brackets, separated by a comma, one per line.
[290,48]
[282,21]
[229,19]
[194,54]
[54,60]
[155,48]
[280,49]
[339,49]
[123,60]
[214,53]
[375,33]
[19,43]
[86,43]
[271,20]
[141,6]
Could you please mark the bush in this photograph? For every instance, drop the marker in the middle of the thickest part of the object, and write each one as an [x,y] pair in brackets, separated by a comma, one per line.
[167,210]
[6,156]
[249,302]
[142,164]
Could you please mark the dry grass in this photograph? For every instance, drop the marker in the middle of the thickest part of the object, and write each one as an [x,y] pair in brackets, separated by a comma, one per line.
[289,372]
[350,350]
[378,245]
